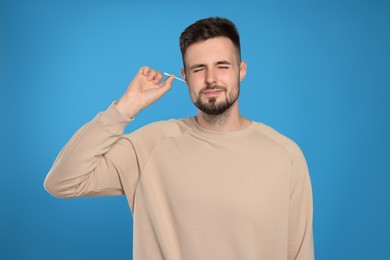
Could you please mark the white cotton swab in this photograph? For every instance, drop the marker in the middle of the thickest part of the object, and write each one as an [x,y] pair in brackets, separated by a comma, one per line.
[175,77]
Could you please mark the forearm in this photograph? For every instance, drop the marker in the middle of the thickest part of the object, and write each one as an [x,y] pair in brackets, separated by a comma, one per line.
[84,156]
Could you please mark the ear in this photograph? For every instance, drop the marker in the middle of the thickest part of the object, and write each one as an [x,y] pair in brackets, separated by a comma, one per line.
[183,74]
[242,70]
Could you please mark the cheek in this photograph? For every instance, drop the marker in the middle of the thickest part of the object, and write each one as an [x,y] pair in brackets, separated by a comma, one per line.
[194,84]
[192,90]
[193,95]
[228,77]
[195,78]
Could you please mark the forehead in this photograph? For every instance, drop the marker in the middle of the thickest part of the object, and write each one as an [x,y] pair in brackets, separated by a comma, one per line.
[210,51]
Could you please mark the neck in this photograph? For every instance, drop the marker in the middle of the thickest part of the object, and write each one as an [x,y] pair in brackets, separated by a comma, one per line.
[228,121]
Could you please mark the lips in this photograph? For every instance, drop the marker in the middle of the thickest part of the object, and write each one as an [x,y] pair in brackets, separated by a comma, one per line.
[212,91]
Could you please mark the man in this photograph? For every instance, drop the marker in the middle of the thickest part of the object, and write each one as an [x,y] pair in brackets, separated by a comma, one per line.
[213,186]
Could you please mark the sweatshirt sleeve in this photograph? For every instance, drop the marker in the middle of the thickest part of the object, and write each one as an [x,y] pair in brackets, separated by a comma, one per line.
[300,237]
[97,161]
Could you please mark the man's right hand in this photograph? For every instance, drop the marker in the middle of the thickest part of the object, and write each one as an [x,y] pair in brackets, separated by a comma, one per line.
[142,91]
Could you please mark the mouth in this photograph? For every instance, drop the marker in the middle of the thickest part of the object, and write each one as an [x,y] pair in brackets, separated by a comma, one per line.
[213,92]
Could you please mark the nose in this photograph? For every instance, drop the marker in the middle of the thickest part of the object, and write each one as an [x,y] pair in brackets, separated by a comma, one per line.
[210,77]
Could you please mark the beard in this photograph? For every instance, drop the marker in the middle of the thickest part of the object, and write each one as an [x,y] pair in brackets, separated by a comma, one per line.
[210,106]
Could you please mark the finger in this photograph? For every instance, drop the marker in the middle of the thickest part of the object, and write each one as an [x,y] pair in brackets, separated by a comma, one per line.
[158,77]
[165,85]
[152,75]
[145,70]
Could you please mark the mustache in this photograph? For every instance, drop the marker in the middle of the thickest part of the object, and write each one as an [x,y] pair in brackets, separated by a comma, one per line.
[211,87]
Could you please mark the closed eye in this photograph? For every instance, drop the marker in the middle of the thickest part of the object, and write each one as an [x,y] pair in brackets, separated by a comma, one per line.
[223,67]
[197,70]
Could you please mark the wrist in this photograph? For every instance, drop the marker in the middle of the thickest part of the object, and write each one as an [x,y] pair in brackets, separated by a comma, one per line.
[126,110]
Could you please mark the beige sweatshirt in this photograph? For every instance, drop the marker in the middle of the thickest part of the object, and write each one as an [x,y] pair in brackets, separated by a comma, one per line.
[195,194]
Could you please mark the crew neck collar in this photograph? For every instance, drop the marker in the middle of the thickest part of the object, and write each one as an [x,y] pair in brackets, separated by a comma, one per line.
[220,135]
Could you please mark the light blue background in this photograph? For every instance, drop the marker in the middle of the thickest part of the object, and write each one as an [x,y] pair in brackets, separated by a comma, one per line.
[318,72]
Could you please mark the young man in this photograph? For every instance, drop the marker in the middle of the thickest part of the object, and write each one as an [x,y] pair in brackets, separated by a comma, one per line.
[213,186]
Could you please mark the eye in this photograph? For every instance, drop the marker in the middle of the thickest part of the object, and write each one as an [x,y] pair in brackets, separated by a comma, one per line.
[197,70]
[223,67]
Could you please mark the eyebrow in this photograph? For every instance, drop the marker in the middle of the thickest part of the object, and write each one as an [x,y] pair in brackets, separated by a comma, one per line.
[222,62]
[197,66]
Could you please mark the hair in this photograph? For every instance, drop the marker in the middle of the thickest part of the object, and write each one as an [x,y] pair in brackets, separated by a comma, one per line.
[209,28]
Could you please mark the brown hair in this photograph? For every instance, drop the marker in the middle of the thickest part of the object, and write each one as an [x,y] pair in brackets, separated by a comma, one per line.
[209,28]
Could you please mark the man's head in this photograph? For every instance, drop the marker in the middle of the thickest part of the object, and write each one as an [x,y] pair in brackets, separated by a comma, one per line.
[207,29]
[212,64]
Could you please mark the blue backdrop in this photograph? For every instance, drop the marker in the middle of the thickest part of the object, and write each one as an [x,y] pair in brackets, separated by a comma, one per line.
[318,72]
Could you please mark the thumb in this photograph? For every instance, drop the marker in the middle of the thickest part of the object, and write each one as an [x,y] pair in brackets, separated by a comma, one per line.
[165,85]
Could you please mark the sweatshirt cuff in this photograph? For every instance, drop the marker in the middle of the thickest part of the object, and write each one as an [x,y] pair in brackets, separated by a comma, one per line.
[113,119]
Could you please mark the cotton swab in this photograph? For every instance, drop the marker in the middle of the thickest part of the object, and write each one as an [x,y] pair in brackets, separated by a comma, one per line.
[175,77]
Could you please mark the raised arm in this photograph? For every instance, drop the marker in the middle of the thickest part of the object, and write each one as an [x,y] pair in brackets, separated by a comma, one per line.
[98,158]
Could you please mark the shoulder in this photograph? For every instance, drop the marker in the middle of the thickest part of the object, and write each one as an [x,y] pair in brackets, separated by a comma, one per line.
[279,139]
[160,130]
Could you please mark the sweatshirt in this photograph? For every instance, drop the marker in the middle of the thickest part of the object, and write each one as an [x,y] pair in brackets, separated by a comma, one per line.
[194,194]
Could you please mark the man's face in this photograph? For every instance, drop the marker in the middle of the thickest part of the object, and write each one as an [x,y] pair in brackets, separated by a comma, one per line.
[213,73]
